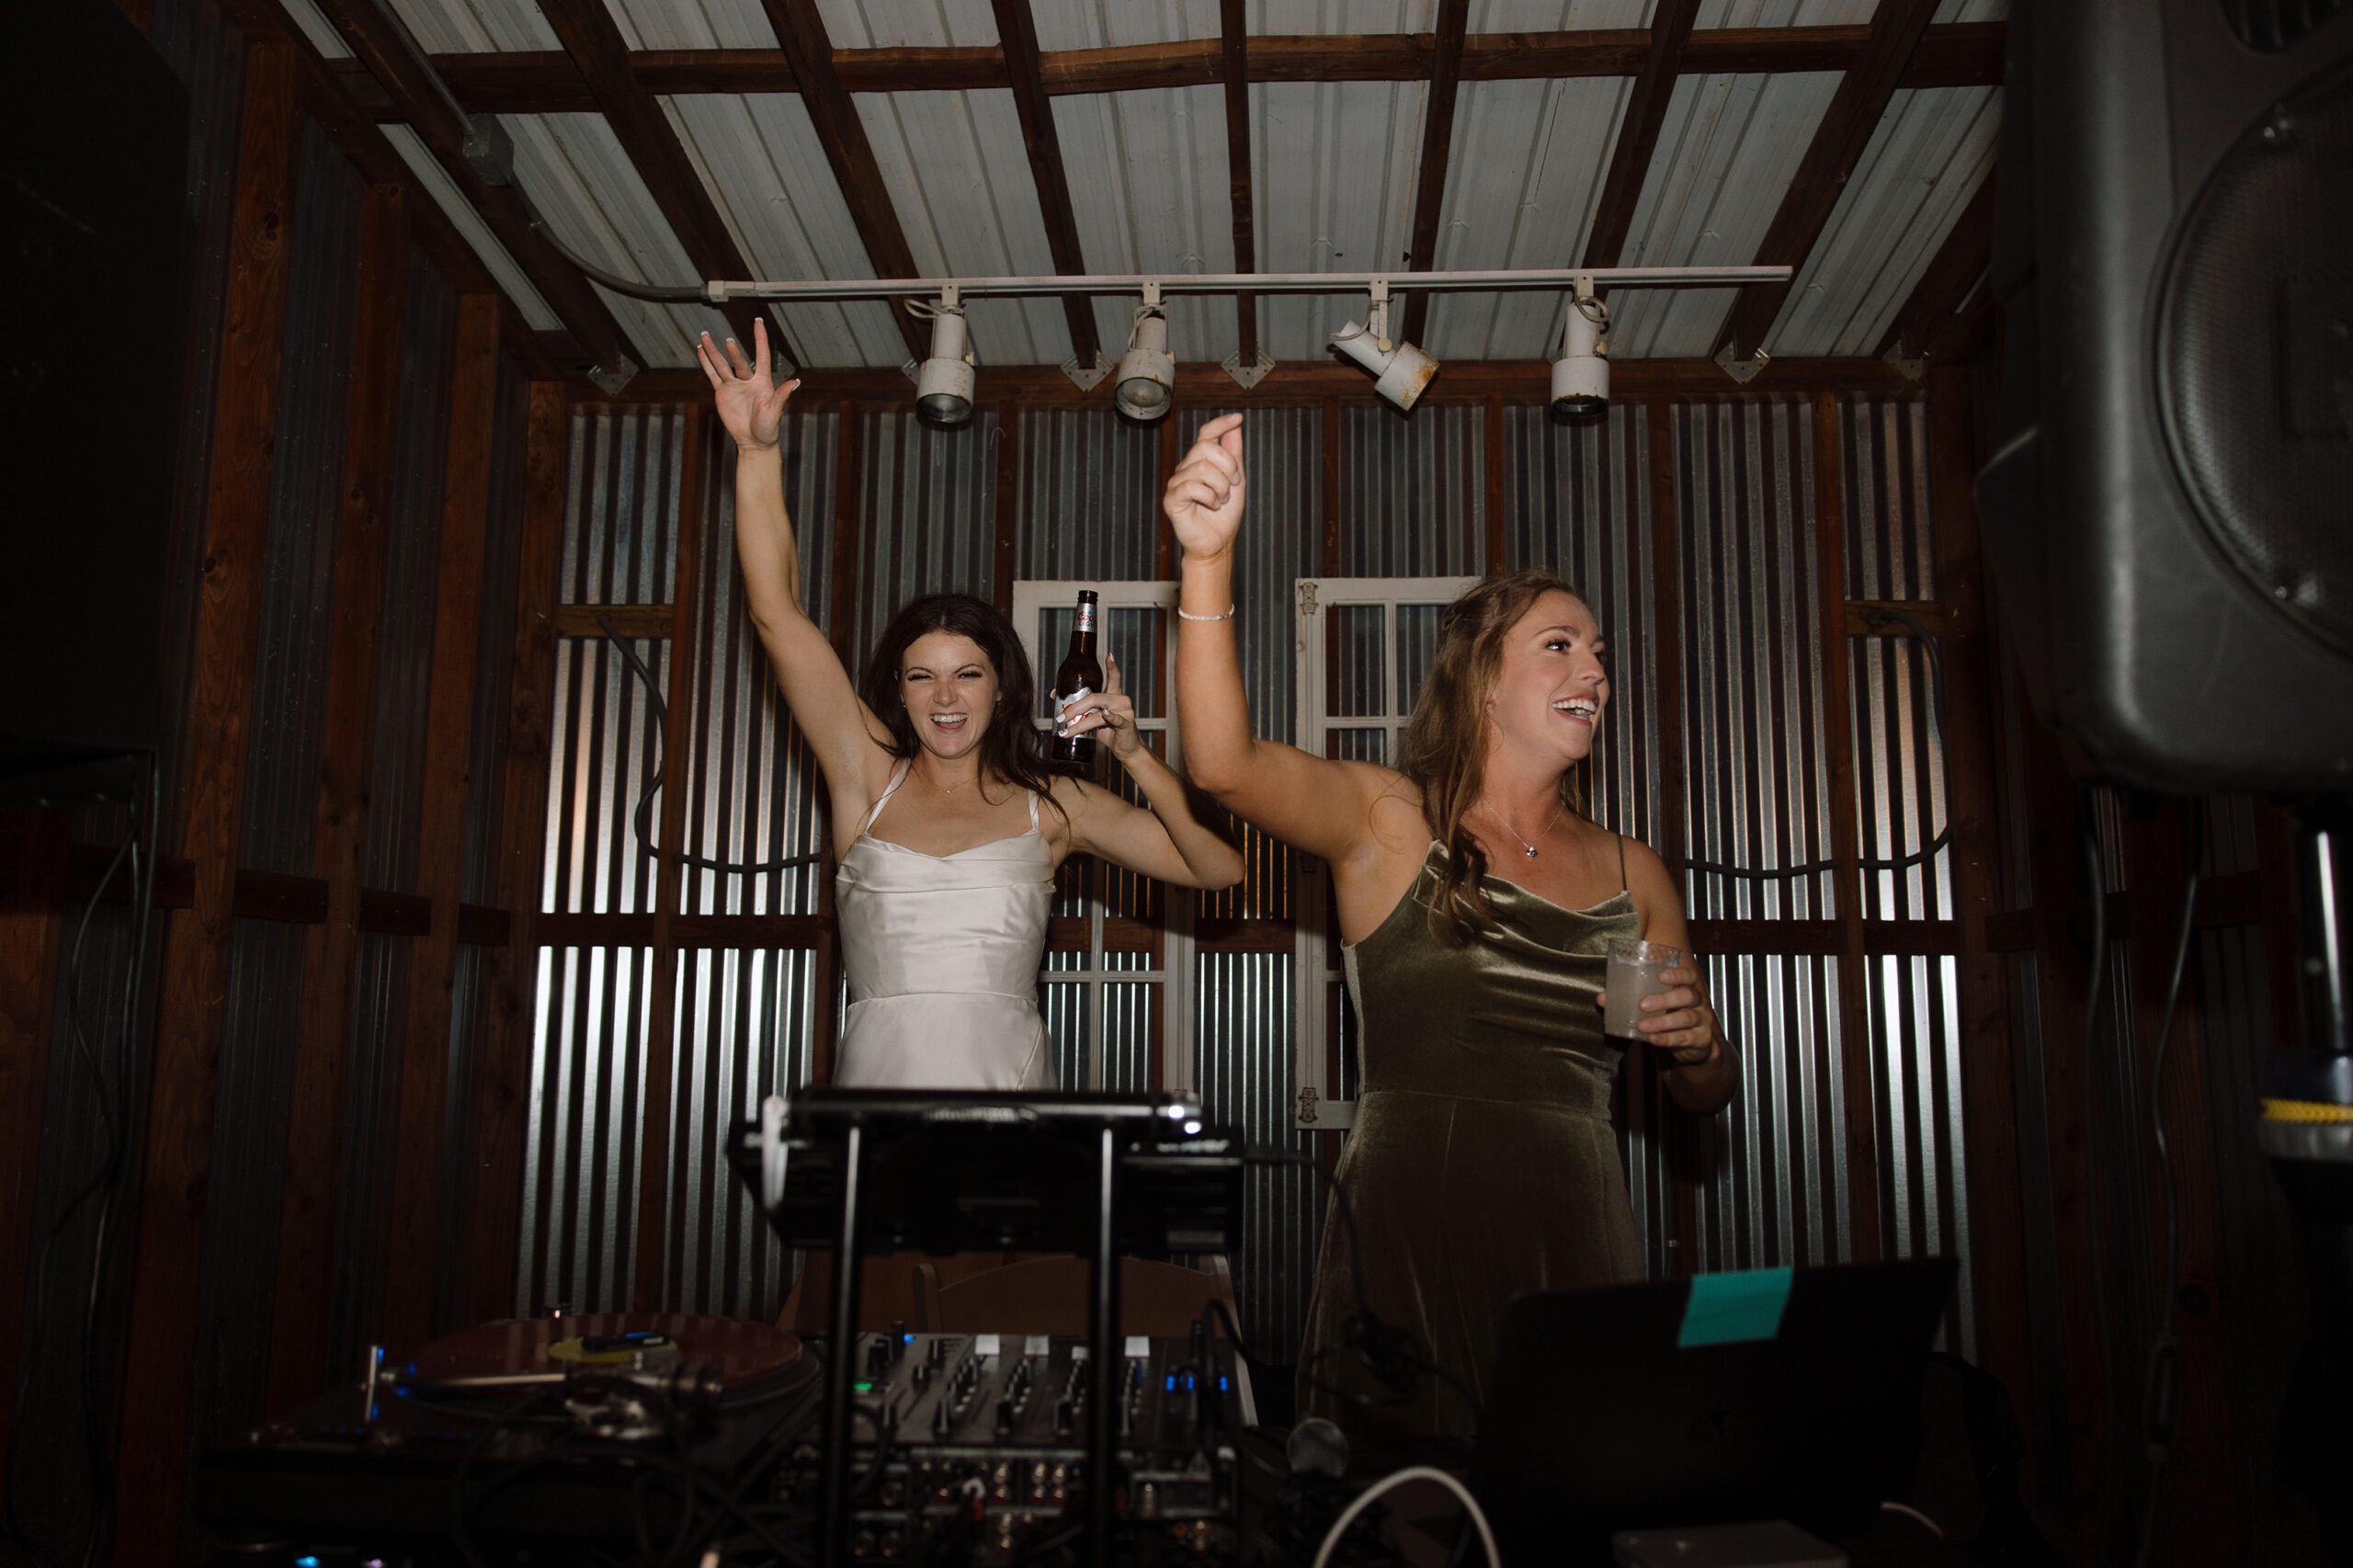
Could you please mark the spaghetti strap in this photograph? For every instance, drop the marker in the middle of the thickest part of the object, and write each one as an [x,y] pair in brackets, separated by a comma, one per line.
[1033,811]
[1622,862]
[898,777]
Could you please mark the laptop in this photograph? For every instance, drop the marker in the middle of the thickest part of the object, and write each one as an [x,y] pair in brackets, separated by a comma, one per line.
[1773,1393]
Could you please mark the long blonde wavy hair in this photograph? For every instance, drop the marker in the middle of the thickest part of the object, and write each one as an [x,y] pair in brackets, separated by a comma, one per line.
[1445,747]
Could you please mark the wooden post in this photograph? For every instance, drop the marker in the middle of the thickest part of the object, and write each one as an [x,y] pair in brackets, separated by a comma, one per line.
[449,735]
[678,752]
[1858,1064]
[510,983]
[196,948]
[299,1329]
[1989,1099]
[32,865]
[1667,601]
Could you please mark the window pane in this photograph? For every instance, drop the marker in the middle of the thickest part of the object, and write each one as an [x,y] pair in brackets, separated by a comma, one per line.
[1065,1007]
[1354,679]
[1054,642]
[1357,745]
[1417,637]
[1131,1023]
[1138,637]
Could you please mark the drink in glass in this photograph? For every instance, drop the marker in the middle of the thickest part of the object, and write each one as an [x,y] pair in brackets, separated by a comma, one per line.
[1633,974]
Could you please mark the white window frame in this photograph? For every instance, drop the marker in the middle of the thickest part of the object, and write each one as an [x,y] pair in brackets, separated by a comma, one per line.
[1175,976]
[1316,962]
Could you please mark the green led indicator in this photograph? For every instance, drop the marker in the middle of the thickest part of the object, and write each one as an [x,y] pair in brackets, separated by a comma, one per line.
[864,1388]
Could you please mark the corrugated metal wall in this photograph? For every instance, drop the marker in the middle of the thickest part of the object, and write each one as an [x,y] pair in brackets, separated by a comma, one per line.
[395,786]
[1770,1177]
[261,1008]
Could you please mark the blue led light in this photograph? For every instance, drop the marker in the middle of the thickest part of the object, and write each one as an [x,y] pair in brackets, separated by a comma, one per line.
[1222,1384]
[1172,1382]
[306,1561]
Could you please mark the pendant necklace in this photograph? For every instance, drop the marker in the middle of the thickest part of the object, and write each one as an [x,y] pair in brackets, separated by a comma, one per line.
[1549,826]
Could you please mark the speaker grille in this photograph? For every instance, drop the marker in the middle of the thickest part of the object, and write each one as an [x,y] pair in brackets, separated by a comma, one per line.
[2254,354]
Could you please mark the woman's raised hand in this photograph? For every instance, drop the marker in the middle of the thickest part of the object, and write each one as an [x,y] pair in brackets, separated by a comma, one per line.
[1111,710]
[748,404]
[1204,495]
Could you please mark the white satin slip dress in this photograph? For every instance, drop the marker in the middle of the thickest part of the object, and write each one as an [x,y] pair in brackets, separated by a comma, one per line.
[943,953]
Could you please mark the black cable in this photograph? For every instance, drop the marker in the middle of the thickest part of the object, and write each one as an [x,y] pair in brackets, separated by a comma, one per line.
[642,820]
[2096,867]
[1929,851]
[2161,1381]
[658,294]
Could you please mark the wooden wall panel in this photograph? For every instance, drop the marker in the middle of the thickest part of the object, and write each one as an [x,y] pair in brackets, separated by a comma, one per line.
[32,869]
[306,1235]
[511,981]
[196,952]
[424,1058]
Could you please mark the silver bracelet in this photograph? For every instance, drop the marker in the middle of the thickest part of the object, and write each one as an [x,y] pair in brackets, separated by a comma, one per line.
[1227,615]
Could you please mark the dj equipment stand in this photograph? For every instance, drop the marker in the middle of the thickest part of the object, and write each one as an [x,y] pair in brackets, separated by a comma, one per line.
[1161,1182]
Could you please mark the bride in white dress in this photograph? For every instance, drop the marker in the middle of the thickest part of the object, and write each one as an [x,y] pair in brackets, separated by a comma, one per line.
[947,858]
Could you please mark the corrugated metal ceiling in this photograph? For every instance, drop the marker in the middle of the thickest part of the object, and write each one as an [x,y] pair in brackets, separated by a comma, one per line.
[1335,167]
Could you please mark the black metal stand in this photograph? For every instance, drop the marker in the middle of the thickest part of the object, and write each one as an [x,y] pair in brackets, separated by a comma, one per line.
[841,1370]
[1107,1393]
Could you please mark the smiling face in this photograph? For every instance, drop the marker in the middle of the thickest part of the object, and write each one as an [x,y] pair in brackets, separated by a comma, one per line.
[1551,685]
[951,691]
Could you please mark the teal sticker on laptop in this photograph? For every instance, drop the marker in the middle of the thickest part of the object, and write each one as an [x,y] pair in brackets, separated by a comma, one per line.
[1734,1309]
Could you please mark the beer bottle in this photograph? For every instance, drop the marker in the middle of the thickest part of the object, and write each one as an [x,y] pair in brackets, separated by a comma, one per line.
[1080,676]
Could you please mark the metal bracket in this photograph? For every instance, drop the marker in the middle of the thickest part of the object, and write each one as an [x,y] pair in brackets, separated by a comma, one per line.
[1089,378]
[1249,376]
[489,150]
[909,369]
[1307,598]
[610,380]
[1911,367]
[1307,1098]
[1739,369]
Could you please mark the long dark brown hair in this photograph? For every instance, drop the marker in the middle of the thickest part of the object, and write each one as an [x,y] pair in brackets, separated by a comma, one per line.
[1445,747]
[1009,744]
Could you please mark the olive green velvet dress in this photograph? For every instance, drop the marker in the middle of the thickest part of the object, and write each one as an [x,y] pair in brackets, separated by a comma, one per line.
[1483,1162]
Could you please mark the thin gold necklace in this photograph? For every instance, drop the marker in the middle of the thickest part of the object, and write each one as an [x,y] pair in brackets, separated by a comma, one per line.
[1515,831]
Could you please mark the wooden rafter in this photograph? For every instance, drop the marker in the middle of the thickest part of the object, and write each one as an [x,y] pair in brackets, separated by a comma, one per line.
[651,143]
[1838,142]
[1438,145]
[1629,161]
[810,56]
[1960,54]
[1931,317]
[1016,31]
[1233,58]
[386,54]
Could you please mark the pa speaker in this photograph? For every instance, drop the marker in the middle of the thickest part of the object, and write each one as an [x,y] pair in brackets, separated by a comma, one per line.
[2168,509]
[93,139]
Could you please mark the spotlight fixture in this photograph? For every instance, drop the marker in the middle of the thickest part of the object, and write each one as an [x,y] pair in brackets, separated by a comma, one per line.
[1581,375]
[944,383]
[1400,369]
[1147,381]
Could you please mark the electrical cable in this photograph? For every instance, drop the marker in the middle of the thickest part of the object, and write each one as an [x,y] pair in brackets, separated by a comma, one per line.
[657,293]
[1928,851]
[2096,868]
[2161,1381]
[1372,1494]
[642,821]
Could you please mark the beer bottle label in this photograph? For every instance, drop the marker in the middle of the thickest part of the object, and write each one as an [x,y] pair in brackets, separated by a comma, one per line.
[1063,704]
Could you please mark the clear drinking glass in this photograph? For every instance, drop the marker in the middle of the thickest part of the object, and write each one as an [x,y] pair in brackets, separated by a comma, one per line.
[1633,974]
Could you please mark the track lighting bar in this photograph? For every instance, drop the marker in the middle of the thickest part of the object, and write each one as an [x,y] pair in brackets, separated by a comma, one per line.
[1500,279]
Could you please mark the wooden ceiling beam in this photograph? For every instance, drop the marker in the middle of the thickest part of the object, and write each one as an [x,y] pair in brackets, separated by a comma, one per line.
[810,54]
[387,55]
[1950,283]
[1310,383]
[1016,31]
[1638,130]
[652,144]
[1960,54]
[1233,70]
[1437,146]
[1896,29]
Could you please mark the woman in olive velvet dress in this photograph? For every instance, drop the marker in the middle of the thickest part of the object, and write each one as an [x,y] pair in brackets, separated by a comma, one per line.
[1483,1162]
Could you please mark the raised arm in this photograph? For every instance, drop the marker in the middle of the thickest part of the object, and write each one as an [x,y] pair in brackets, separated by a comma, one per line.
[850,743]
[1167,842]
[1322,807]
